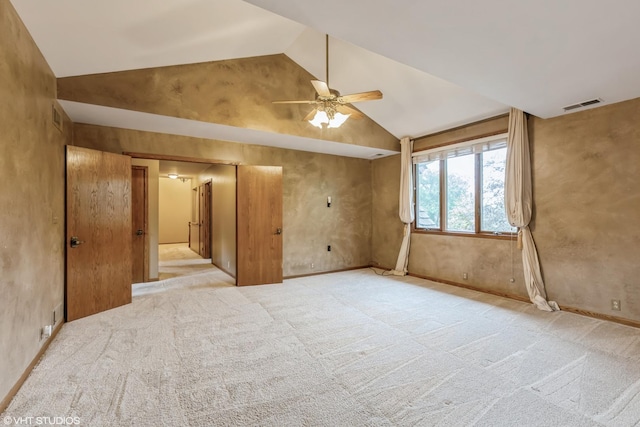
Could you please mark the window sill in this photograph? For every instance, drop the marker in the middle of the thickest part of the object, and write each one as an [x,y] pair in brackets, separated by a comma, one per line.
[501,236]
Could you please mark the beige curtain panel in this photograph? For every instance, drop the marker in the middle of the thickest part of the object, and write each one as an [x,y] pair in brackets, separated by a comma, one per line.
[406,205]
[518,204]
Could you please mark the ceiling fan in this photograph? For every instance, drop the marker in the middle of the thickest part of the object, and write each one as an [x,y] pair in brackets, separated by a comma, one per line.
[331,108]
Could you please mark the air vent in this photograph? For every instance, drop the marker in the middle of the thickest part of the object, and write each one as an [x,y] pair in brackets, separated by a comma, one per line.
[582,104]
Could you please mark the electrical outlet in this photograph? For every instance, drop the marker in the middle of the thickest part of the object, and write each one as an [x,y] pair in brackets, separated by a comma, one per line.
[329,248]
[45,332]
[465,276]
[615,304]
[312,265]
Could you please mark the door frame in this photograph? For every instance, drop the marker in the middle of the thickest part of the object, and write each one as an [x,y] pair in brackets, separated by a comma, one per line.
[145,272]
[152,156]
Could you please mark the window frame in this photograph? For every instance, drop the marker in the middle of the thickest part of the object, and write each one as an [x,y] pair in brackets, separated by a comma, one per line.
[478,176]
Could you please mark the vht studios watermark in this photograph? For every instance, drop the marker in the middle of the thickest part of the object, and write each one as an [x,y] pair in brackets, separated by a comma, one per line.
[41,421]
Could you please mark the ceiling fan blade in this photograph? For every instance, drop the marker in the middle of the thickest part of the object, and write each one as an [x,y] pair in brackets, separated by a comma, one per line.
[321,87]
[310,115]
[359,97]
[344,109]
[293,102]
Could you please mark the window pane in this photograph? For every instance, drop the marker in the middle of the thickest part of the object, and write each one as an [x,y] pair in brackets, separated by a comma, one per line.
[460,193]
[428,195]
[494,217]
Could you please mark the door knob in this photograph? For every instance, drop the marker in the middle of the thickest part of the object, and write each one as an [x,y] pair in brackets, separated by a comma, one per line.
[278,230]
[75,242]
[140,232]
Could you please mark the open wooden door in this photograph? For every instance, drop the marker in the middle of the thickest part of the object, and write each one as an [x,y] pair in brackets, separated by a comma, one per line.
[259,225]
[205,220]
[139,218]
[98,231]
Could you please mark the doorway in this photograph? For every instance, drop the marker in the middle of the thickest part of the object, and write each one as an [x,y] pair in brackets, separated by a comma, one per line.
[205,219]
[243,205]
[139,221]
[191,209]
[109,250]
[200,233]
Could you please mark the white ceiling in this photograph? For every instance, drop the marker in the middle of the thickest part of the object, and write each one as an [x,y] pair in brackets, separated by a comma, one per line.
[487,55]
[537,56]
[86,37]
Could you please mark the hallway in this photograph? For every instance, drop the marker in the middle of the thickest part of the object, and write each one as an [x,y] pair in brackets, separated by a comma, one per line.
[180,267]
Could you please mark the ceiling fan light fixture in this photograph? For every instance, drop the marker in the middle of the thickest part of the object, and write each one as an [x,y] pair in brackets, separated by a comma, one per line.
[321,119]
[338,120]
[332,109]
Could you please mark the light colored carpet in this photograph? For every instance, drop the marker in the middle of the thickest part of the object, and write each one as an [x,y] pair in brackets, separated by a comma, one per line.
[179,267]
[345,349]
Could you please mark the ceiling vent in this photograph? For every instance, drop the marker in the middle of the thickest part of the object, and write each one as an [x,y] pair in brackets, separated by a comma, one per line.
[582,104]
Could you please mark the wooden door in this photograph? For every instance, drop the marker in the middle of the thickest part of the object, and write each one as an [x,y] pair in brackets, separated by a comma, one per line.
[205,220]
[194,226]
[259,225]
[98,231]
[139,219]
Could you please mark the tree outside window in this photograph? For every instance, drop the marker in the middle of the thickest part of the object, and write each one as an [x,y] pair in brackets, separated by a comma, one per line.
[455,190]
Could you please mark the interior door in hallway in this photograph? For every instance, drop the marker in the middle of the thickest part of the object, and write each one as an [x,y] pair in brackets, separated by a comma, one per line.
[205,220]
[259,225]
[139,219]
[98,232]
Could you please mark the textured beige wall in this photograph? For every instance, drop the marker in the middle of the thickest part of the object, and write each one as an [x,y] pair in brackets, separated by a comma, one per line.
[31,199]
[586,175]
[223,208]
[153,170]
[489,263]
[174,210]
[387,228]
[308,178]
[586,182]
[235,92]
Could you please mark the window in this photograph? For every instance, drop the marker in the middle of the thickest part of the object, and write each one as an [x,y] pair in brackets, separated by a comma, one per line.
[460,188]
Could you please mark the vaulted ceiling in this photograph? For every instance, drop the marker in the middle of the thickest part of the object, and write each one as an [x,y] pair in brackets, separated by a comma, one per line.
[439,64]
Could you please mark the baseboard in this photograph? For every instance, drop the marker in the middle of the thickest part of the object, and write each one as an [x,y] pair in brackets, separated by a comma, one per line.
[326,272]
[615,319]
[14,390]
[473,288]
